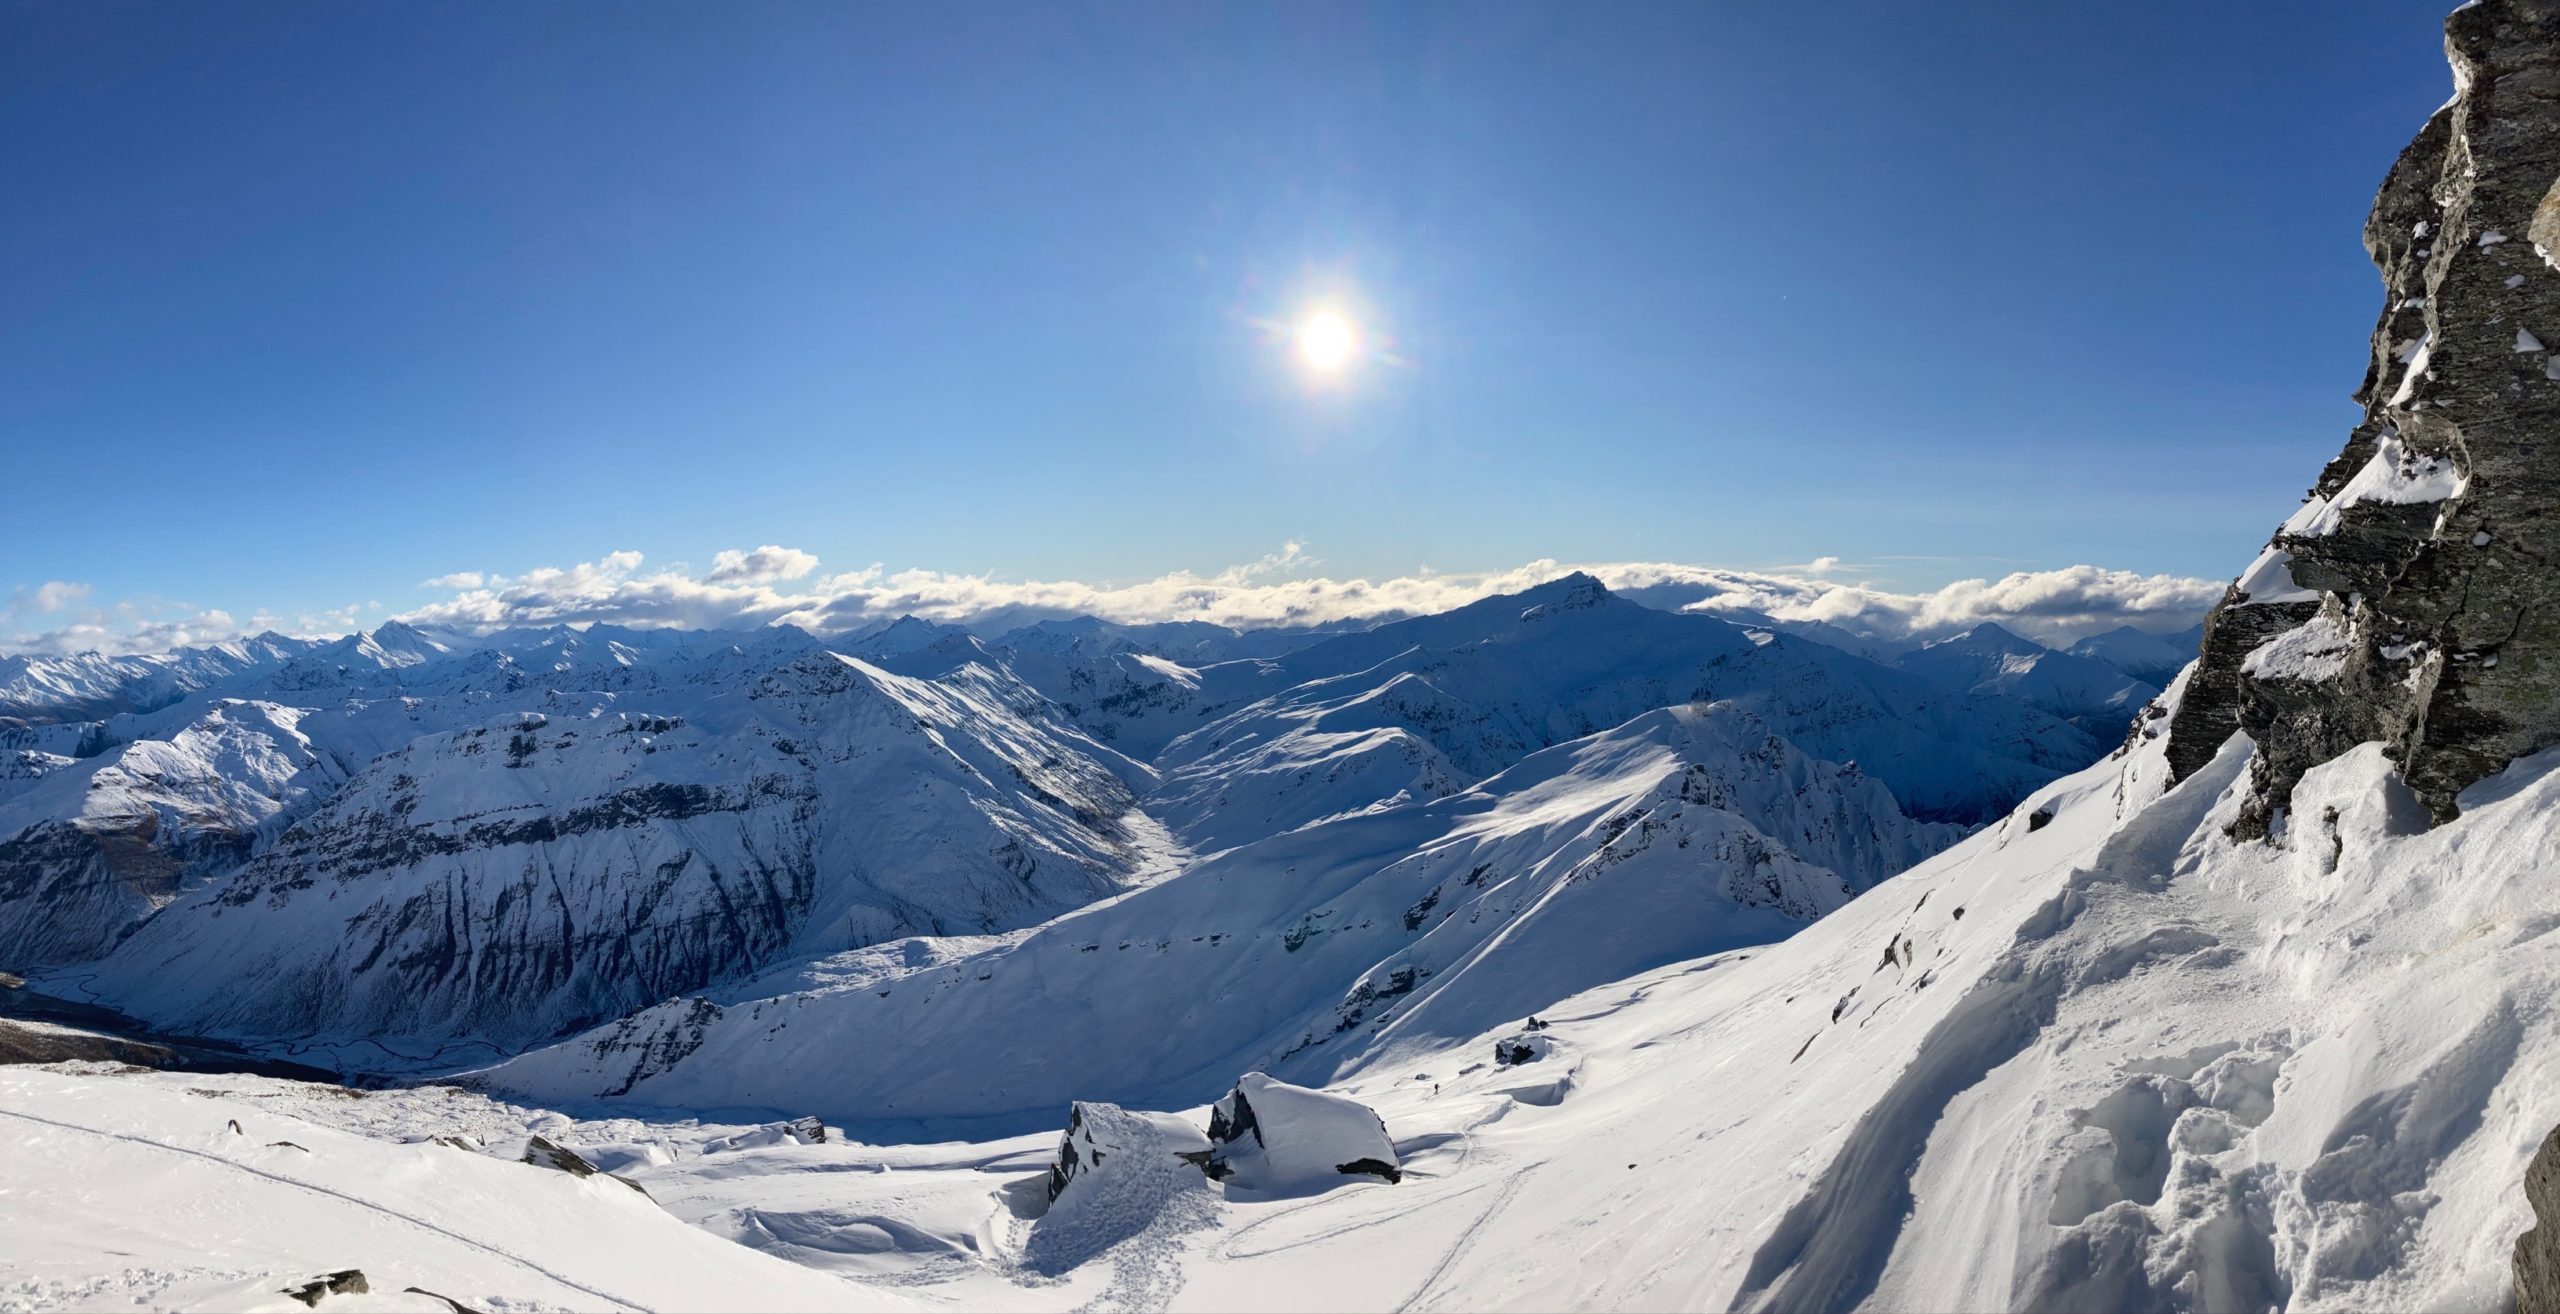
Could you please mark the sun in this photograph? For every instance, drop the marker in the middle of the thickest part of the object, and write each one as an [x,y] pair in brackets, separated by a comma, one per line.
[1328,341]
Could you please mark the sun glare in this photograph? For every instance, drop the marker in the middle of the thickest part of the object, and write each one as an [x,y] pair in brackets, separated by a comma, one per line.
[1327,341]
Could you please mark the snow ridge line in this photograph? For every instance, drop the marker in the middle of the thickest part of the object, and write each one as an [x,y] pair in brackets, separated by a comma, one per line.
[421,1224]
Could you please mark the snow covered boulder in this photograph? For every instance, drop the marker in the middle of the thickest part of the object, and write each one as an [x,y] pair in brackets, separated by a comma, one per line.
[1526,1047]
[1122,1177]
[1272,1136]
[1100,1132]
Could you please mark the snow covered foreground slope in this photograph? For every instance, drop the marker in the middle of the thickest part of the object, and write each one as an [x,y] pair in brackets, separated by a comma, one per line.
[117,1194]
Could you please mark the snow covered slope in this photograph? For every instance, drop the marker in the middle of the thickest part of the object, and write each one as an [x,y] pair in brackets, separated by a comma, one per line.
[1685,831]
[91,847]
[2118,1060]
[2101,1055]
[86,686]
[117,1194]
[535,873]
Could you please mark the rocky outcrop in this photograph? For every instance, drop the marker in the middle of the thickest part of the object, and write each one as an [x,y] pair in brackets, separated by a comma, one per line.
[2537,1254]
[1104,1133]
[2412,599]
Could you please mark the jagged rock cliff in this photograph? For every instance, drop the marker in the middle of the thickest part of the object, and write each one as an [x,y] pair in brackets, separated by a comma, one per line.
[2413,598]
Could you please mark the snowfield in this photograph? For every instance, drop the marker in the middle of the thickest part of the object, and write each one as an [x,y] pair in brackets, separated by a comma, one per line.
[2097,1056]
[1668,1013]
[119,1193]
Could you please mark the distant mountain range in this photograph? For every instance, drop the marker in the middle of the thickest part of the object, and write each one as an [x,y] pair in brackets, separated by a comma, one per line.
[411,843]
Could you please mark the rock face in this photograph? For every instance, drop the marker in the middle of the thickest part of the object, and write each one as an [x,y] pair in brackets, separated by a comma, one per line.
[2537,1257]
[2412,599]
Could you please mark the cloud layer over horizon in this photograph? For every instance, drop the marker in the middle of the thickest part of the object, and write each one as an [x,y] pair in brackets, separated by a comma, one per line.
[780,585]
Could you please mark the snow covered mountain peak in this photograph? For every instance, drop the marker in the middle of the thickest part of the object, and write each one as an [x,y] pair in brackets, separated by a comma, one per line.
[1574,592]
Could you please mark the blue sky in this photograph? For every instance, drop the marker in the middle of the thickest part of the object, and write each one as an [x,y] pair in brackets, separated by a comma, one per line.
[301,305]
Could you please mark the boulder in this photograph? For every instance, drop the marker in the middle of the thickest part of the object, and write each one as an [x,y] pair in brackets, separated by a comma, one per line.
[1526,1047]
[1268,1135]
[1098,1133]
[2537,1254]
[344,1282]
[543,1152]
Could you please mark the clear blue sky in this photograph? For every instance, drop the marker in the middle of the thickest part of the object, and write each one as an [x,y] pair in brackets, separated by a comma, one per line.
[300,304]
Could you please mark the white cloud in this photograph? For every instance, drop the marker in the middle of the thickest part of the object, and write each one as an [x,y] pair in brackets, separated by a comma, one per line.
[780,585]
[95,632]
[2054,605]
[764,565]
[460,579]
[1273,591]
[56,594]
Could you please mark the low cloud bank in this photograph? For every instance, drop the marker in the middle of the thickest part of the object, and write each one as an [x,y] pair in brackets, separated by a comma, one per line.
[780,585]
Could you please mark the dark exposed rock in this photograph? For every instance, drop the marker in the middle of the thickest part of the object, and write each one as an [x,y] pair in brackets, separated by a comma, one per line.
[2537,1253]
[2209,714]
[2416,603]
[344,1282]
[1511,1051]
[1371,1168]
